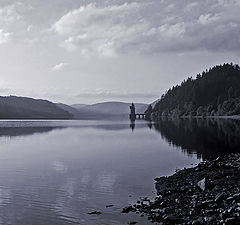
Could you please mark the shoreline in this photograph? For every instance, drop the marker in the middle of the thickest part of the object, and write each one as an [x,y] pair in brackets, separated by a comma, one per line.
[235,117]
[206,194]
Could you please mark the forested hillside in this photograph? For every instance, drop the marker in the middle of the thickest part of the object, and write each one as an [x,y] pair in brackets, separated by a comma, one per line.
[13,107]
[215,92]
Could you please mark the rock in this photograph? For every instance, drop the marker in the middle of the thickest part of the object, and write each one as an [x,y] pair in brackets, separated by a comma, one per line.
[108,206]
[201,184]
[127,209]
[208,220]
[219,197]
[133,222]
[231,220]
[95,212]
[146,202]
[198,221]
[172,220]
[236,196]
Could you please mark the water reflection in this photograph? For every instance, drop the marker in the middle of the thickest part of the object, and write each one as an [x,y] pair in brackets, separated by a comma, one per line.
[150,125]
[25,128]
[23,131]
[58,171]
[207,138]
[132,125]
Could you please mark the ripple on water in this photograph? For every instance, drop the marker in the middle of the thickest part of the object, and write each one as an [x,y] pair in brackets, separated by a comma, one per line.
[5,196]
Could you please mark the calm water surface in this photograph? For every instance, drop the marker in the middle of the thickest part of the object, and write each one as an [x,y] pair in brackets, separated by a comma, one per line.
[55,172]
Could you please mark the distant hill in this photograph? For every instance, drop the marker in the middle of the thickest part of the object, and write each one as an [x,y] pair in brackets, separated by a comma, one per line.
[214,92]
[114,107]
[78,106]
[107,110]
[13,107]
[73,111]
[81,114]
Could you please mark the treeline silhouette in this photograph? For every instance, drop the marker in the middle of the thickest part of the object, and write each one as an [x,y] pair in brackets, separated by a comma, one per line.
[214,92]
[24,131]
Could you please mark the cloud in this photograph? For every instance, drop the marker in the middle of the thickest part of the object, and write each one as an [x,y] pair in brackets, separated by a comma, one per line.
[4,37]
[59,67]
[102,30]
[9,14]
[5,90]
[151,27]
[208,18]
[12,19]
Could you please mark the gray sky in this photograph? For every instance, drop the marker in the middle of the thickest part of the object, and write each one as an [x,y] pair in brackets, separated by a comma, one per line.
[83,51]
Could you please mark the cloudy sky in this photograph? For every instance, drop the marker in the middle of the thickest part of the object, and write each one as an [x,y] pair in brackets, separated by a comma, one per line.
[84,51]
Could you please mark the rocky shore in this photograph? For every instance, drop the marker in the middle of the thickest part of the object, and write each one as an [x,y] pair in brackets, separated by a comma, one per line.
[206,194]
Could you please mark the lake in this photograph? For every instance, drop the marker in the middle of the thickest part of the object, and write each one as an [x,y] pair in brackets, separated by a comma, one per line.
[56,172]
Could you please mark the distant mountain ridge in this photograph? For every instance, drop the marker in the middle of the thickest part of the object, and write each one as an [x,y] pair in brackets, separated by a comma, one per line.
[78,106]
[13,107]
[113,107]
[74,112]
[107,110]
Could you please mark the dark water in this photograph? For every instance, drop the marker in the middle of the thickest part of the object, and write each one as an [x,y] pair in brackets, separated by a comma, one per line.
[55,172]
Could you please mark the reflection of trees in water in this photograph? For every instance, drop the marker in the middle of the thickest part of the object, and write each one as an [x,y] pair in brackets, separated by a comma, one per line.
[208,138]
[22,131]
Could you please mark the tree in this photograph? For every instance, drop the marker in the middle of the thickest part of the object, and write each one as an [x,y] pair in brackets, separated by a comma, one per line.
[230,93]
[148,112]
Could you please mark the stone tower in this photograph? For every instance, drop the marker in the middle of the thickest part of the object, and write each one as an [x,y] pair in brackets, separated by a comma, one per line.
[132,114]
